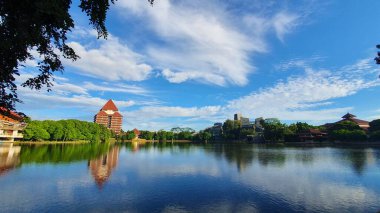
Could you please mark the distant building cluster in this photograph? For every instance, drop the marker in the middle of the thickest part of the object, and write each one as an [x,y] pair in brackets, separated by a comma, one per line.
[110,117]
[305,135]
[217,129]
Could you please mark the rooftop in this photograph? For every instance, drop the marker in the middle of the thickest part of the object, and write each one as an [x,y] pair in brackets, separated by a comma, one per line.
[110,105]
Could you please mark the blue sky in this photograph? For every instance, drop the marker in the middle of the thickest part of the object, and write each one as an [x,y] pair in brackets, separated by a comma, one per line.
[192,63]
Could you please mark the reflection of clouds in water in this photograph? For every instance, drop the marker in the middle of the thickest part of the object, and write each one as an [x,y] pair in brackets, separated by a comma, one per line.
[181,180]
[226,206]
[30,190]
[304,188]
[174,208]
[164,164]
[66,187]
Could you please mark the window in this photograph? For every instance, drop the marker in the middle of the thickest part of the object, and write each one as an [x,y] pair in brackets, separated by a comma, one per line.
[109,121]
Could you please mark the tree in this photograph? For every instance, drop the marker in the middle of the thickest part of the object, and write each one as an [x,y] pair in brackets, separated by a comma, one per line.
[374,125]
[41,26]
[347,131]
[374,130]
[231,129]
[377,58]
[274,130]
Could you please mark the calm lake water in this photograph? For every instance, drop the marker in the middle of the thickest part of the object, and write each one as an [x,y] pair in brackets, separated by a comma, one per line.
[188,178]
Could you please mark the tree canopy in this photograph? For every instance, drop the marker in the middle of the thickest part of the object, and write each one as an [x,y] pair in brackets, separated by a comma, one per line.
[41,26]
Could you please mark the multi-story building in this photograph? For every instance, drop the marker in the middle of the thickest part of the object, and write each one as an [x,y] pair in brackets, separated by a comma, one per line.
[217,130]
[237,117]
[110,117]
[245,123]
[11,125]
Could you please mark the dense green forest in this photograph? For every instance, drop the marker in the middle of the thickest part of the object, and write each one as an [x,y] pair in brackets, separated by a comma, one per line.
[66,130]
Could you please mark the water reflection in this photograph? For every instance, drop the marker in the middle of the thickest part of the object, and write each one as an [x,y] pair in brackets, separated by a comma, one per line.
[240,154]
[166,177]
[102,166]
[359,159]
[9,157]
[62,153]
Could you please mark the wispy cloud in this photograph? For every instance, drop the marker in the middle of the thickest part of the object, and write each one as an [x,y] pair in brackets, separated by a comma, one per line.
[203,41]
[309,96]
[116,88]
[301,97]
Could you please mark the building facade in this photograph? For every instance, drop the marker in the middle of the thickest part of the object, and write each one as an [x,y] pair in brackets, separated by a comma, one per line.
[110,117]
[11,125]
[245,123]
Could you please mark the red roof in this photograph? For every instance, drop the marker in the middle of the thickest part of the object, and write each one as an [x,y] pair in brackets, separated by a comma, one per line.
[110,105]
[7,113]
[358,121]
[101,113]
[117,114]
[136,131]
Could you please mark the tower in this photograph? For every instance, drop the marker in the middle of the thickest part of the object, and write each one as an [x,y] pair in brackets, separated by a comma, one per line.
[110,117]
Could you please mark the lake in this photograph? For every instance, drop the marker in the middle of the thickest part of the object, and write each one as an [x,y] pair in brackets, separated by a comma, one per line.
[188,178]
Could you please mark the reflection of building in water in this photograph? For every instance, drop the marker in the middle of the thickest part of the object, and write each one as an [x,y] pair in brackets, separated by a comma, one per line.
[9,158]
[101,167]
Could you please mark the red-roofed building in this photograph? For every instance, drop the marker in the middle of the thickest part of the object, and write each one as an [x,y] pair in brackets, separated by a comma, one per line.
[350,117]
[109,117]
[11,125]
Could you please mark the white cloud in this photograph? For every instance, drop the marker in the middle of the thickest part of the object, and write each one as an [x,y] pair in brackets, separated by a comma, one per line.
[284,23]
[204,41]
[116,88]
[297,98]
[42,99]
[156,117]
[112,60]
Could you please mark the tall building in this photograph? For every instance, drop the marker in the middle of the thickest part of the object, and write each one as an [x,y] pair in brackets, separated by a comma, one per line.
[237,116]
[110,117]
[244,121]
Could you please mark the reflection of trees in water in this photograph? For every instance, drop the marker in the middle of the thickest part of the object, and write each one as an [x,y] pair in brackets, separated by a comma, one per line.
[306,156]
[273,157]
[62,153]
[159,146]
[357,158]
[241,154]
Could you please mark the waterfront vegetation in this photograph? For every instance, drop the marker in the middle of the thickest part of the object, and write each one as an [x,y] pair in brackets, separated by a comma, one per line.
[176,133]
[271,130]
[66,130]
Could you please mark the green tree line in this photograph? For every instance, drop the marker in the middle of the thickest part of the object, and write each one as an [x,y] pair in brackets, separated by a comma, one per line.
[66,130]
[273,130]
[161,135]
